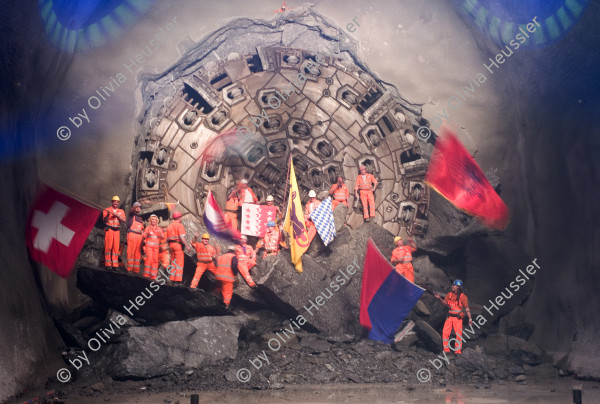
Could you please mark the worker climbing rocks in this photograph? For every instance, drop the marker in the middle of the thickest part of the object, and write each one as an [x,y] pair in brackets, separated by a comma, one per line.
[176,240]
[112,237]
[207,258]
[270,241]
[245,254]
[135,228]
[311,205]
[457,303]
[151,238]
[339,192]
[402,258]
[227,267]
[366,185]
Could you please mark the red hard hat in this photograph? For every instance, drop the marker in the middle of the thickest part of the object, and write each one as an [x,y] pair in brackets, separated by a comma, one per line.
[176,215]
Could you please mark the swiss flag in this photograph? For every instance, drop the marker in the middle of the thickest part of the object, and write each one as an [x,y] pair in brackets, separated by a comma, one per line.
[57,227]
[255,218]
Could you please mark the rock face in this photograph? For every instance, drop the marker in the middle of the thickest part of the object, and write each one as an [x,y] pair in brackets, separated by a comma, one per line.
[155,303]
[327,293]
[144,352]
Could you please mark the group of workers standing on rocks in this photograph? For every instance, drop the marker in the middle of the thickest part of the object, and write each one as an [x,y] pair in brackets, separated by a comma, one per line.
[167,246]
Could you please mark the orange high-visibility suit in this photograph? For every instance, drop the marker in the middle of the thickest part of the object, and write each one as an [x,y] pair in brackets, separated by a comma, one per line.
[151,236]
[270,241]
[164,258]
[310,226]
[112,236]
[231,208]
[364,185]
[404,267]
[251,254]
[174,233]
[340,195]
[205,255]
[225,275]
[454,320]
[246,195]
[134,243]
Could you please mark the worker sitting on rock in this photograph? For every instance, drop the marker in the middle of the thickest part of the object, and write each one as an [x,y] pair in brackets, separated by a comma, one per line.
[135,228]
[207,257]
[227,267]
[151,238]
[339,192]
[270,241]
[311,205]
[177,242]
[457,302]
[112,236]
[402,258]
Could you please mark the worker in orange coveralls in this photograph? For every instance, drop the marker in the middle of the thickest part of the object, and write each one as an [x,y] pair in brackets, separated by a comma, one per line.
[245,254]
[227,266]
[339,192]
[270,241]
[164,258]
[151,238]
[207,257]
[402,258]
[135,228]
[112,236]
[176,240]
[457,302]
[231,208]
[366,185]
[311,205]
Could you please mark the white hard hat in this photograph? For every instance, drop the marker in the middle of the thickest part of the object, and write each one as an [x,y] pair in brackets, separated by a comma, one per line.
[312,194]
[244,181]
[244,237]
[270,198]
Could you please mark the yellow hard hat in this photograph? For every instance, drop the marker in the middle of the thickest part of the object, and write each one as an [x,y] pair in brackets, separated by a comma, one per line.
[396,239]
[115,198]
[205,235]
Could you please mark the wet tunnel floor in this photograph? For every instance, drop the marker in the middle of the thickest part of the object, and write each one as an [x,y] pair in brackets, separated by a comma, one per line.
[547,392]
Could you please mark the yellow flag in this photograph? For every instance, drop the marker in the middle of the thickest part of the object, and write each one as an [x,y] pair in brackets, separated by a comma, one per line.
[294,223]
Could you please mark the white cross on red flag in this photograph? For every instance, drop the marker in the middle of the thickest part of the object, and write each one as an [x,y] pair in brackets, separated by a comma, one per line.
[57,227]
[255,218]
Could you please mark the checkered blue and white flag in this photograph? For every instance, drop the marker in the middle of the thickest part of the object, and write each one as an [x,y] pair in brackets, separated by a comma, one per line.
[322,217]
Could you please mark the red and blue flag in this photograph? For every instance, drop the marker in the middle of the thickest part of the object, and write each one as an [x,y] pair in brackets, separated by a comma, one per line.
[386,297]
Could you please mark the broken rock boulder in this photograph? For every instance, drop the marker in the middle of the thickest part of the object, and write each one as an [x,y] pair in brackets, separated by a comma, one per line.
[147,301]
[144,352]
[327,293]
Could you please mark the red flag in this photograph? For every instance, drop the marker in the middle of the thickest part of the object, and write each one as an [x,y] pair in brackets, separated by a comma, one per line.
[255,218]
[456,176]
[386,297]
[57,227]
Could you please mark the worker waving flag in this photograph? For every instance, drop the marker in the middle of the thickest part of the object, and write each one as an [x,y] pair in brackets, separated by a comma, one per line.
[215,221]
[456,176]
[57,227]
[294,222]
[322,217]
[386,297]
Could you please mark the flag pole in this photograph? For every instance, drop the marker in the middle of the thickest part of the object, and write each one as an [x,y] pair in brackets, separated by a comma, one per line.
[75,196]
[287,181]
